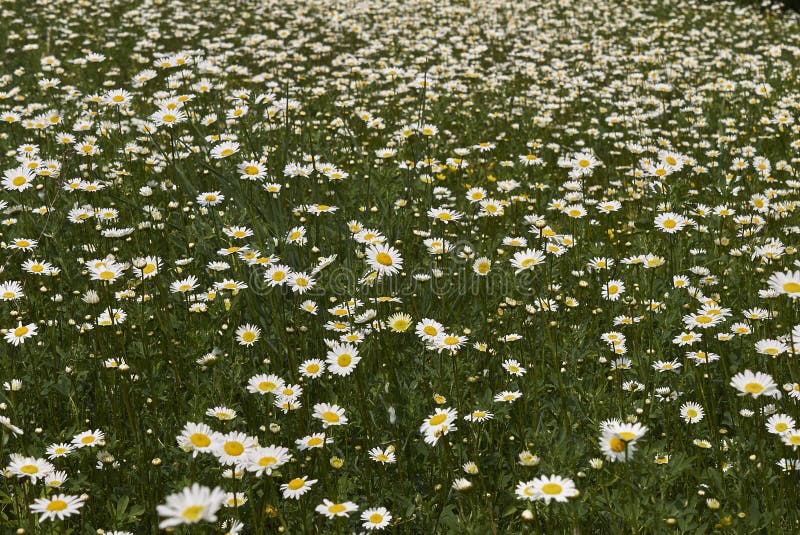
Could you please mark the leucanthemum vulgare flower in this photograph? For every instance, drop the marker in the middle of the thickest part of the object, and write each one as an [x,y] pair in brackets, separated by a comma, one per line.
[527,260]
[59,450]
[57,506]
[192,505]
[428,329]
[197,438]
[479,415]
[383,456]
[296,487]
[376,518]
[399,322]
[547,489]
[692,412]
[17,335]
[438,424]
[29,467]
[335,509]
[329,414]
[787,283]
[312,441]
[248,334]
[221,413]
[618,440]
[184,285]
[342,359]
[11,291]
[232,448]
[777,424]
[755,384]
[312,368]
[263,460]
[265,384]
[88,438]
[384,259]
[671,223]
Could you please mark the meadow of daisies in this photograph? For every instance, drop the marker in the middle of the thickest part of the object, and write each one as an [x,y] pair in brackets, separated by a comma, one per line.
[415,267]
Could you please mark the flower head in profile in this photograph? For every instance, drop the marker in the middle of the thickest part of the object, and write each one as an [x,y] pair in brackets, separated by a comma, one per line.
[57,506]
[192,505]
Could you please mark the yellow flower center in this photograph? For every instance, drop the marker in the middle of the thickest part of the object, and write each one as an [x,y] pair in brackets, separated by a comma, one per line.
[616,445]
[19,180]
[267,461]
[193,513]
[20,331]
[296,483]
[375,518]
[791,287]
[670,223]
[781,427]
[29,469]
[552,489]
[753,388]
[312,368]
[234,448]
[344,360]
[56,505]
[149,268]
[438,419]
[383,259]
[200,440]
[315,441]
[248,336]
[330,416]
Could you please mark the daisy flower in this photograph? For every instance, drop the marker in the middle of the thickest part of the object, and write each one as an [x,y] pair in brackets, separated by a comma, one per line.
[248,334]
[313,441]
[192,505]
[334,509]
[312,368]
[197,438]
[342,359]
[58,506]
[551,488]
[30,467]
[755,384]
[59,450]
[331,415]
[88,438]
[692,412]
[786,283]
[17,335]
[233,447]
[383,456]
[376,518]
[265,384]
[507,396]
[479,415]
[527,259]
[298,486]
[384,259]
[263,460]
